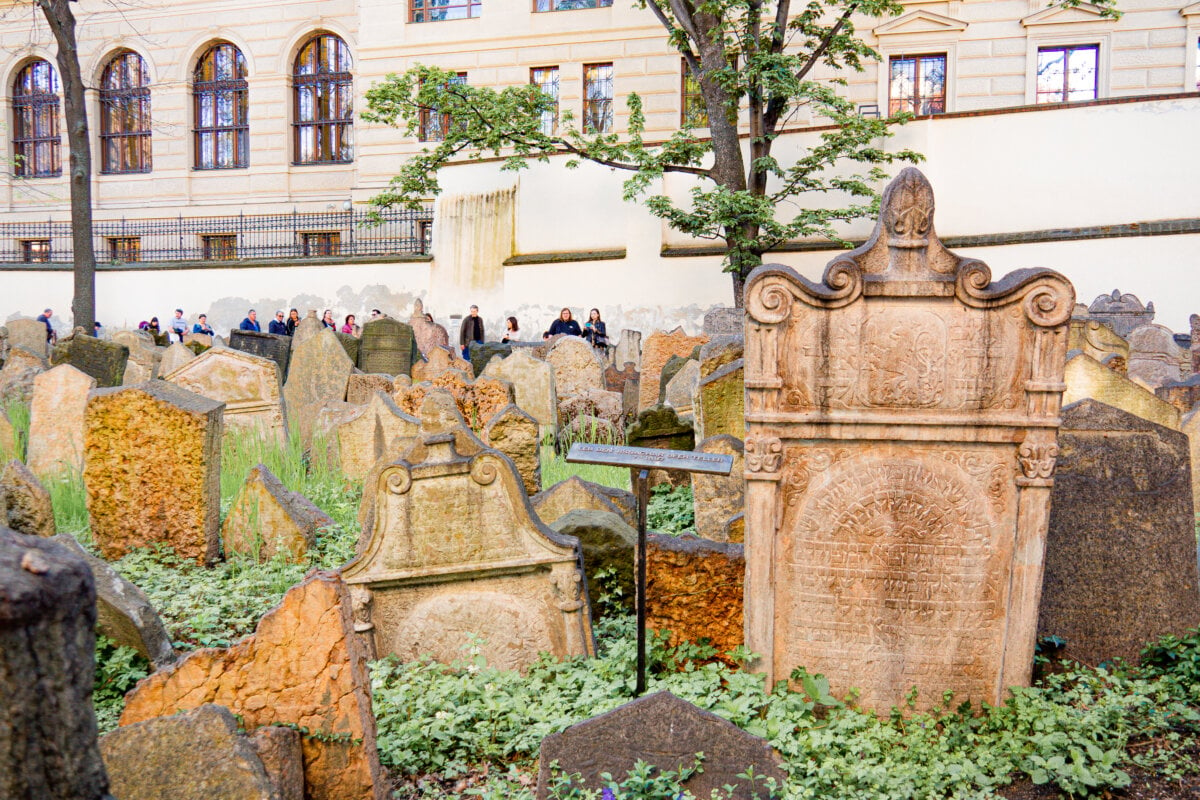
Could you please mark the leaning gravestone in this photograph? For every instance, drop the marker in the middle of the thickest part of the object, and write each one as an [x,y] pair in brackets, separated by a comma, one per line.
[900,455]
[721,401]
[47,650]
[455,551]
[248,385]
[666,732]
[20,370]
[175,357]
[173,496]
[25,504]
[387,346]
[1121,551]
[317,375]
[515,434]
[609,544]
[28,333]
[376,429]
[482,354]
[657,350]
[577,494]
[669,371]
[268,520]
[533,385]
[56,420]
[104,361]
[264,345]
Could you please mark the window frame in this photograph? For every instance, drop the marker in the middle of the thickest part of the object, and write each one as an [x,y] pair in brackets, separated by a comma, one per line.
[319,83]
[474,10]
[222,252]
[916,100]
[328,242]
[28,256]
[550,6]
[426,131]
[591,102]
[549,124]
[32,111]
[206,138]
[120,248]
[695,95]
[1091,34]
[132,100]
[1066,49]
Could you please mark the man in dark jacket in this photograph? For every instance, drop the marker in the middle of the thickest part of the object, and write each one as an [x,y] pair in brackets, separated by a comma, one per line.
[250,323]
[278,326]
[471,331]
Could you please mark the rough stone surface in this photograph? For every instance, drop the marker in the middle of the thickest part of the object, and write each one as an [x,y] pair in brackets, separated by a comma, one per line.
[318,374]
[124,613]
[1086,378]
[265,345]
[694,589]
[428,334]
[1093,338]
[104,361]
[680,392]
[1154,357]
[8,436]
[197,755]
[303,666]
[717,498]
[173,497]
[30,334]
[615,379]
[455,551]
[1121,312]
[307,328]
[371,432]
[437,361]
[359,388]
[608,543]
[590,429]
[482,354]
[387,346]
[20,370]
[175,357]
[248,385]
[202,340]
[577,494]
[629,398]
[1121,551]
[666,732]
[533,385]
[517,435]
[722,401]
[56,420]
[478,401]
[592,403]
[899,457]
[660,427]
[723,321]
[1182,394]
[656,351]
[267,519]
[24,503]
[720,351]
[669,371]
[629,349]
[735,529]
[350,344]
[1191,427]
[577,368]
[282,757]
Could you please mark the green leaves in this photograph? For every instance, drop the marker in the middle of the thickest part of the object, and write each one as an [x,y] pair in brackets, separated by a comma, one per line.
[671,510]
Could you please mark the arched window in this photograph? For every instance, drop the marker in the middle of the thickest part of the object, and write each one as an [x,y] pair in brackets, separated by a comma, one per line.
[220,95]
[36,141]
[125,115]
[324,114]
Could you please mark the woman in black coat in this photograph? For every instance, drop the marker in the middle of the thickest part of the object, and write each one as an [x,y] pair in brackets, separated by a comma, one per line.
[565,324]
[594,330]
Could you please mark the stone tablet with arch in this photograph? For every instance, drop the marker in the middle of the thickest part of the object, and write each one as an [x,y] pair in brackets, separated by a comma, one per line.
[902,418]
[247,384]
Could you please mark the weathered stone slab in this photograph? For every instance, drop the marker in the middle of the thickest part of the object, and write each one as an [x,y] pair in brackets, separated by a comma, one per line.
[265,345]
[659,426]
[359,388]
[657,350]
[577,368]
[306,328]
[248,385]
[438,360]
[1085,378]
[56,420]
[666,732]
[717,498]
[373,431]
[1191,427]
[478,401]
[318,374]
[1182,394]
[1121,551]
[609,544]
[173,497]
[594,403]
[482,354]
[202,339]
[722,401]
[30,334]
[629,349]
[24,503]
[1121,312]
[267,519]
[175,357]
[681,390]
[900,451]
[695,589]
[719,352]
[615,379]
[575,493]
[669,371]
[723,321]
[455,550]
[590,429]
[20,370]
[124,613]
[350,344]
[533,385]
[518,436]
[1154,357]
[283,759]
[1095,339]
[303,666]
[428,334]
[104,361]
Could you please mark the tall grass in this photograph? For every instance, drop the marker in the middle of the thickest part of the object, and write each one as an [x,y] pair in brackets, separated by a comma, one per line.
[556,469]
[17,412]
[69,500]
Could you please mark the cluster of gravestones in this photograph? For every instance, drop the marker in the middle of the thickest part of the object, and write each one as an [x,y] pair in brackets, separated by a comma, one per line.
[932,470]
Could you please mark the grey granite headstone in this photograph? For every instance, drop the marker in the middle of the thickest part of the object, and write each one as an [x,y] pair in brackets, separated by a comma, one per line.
[667,732]
[482,352]
[350,344]
[1121,312]
[724,321]
[104,361]
[1120,567]
[388,346]
[268,345]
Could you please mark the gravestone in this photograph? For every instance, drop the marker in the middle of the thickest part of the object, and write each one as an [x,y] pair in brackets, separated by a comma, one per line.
[173,497]
[375,430]
[608,543]
[666,732]
[695,590]
[1154,357]
[575,493]
[104,361]
[629,349]
[681,391]
[660,426]
[304,666]
[20,370]
[359,388]
[722,401]
[615,379]
[202,340]
[478,401]
[1086,378]
[307,328]
[1182,394]
[656,352]
[1121,312]
[428,334]
[175,357]
[576,366]
[265,345]
[901,421]
[629,398]
[318,374]
[482,354]
[669,371]
[56,420]
[438,360]
[350,344]
[1194,346]
[1190,425]
[24,503]
[455,551]
[516,434]
[533,385]
[30,334]
[1095,339]
[593,403]
[267,519]
[248,385]
[1121,551]
[723,321]
[717,498]
[387,346]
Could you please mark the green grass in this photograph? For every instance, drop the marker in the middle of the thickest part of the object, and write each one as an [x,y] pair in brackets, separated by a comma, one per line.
[18,416]
[556,469]
[69,500]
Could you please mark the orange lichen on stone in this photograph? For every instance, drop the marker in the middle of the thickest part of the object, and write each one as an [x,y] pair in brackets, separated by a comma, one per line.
[694,589]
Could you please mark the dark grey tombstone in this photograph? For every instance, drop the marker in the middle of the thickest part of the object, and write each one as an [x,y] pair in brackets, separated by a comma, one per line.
[350,344]
[482,353]
[669,370]
[387,346]
[667,732]
[104,361]
[1121,312]
[724,321]
[268,345]
[1120,567]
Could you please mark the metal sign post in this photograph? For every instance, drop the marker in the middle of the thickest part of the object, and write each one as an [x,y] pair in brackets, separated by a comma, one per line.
[640,460]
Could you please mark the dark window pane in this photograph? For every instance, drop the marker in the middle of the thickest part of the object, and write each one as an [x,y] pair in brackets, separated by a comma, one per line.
[36,140]
[323,110]
[125,115]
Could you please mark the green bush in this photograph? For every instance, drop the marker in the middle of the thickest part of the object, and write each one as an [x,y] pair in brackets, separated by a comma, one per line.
[671,510]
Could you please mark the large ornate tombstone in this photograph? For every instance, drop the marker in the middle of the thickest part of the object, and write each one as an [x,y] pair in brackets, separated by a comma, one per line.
[247,384]
[902,417]
[456,550]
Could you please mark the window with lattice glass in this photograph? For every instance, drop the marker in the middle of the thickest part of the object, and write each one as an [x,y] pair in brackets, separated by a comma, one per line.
[323,98]
[321,243]
[220,98]
[693,110]
[439,10]
[917,84]
[125,115]
[546,79]
[1068,74]
[34,251]
[434,123]
[125,248]
[598,98]
[219,247]
[37,145]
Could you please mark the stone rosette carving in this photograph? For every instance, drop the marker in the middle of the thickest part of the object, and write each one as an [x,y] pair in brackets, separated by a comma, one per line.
[901,418]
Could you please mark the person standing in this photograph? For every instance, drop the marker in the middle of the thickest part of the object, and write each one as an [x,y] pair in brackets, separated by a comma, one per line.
[594,330]
[471,331]
[511,329]
[292,321]
[565,324]
[350,326]
[202,326]
[328,321]
[277,326]
[179,324]
[250,323]
[44,318]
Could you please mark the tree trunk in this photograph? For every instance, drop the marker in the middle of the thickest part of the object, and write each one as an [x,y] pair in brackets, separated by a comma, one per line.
[62,25]
[48,747]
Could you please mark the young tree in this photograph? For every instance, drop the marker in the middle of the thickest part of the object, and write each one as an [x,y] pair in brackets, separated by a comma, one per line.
[62,24]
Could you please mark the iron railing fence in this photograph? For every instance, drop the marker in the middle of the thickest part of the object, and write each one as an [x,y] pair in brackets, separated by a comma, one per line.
[229,238]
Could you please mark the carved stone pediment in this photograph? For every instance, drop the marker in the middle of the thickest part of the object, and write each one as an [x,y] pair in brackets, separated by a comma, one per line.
[1058,15]
[921,21]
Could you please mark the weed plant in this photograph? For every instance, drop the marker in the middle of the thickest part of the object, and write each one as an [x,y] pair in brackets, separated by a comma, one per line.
[671,510]
[69,500]
[17,412]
